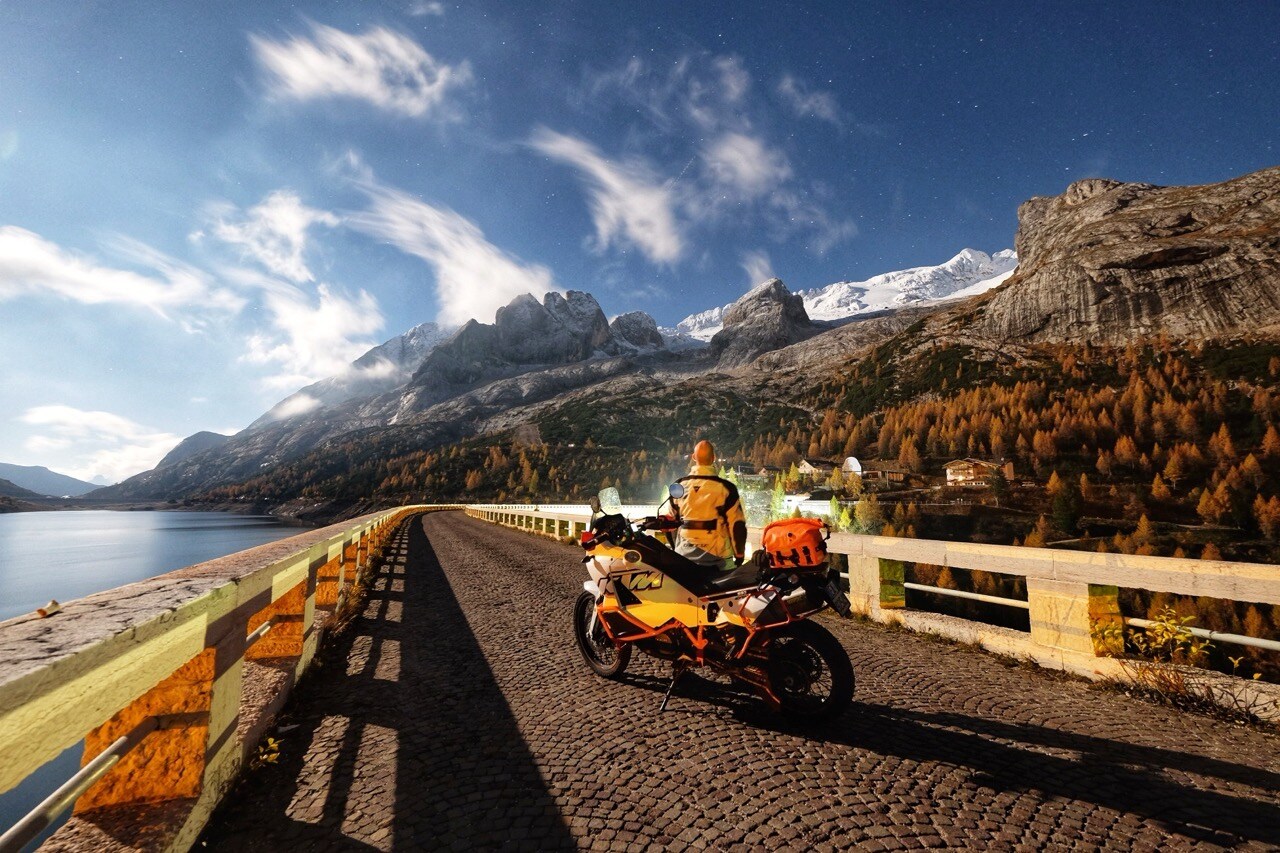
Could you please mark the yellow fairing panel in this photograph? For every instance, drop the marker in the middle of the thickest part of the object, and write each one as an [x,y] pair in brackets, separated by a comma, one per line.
[661,599]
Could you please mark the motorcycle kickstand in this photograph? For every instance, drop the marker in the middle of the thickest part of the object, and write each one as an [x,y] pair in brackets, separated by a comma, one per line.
[677,670]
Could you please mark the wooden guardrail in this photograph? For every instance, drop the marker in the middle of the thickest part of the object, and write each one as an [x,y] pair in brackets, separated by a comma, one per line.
[173,680]
[1072,596]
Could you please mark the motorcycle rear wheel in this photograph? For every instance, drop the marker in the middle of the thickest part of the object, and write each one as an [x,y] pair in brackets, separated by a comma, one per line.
[597,649]
[809,672]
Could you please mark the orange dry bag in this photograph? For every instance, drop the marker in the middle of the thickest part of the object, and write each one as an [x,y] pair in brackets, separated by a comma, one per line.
[796,543]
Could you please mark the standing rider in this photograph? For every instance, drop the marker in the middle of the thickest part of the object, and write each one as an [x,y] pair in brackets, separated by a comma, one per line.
[712,525]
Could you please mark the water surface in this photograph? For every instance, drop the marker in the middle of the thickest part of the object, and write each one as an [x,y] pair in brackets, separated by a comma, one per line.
[66,555]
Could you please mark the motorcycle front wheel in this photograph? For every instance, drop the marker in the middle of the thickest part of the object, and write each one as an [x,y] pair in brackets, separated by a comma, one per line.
[597,649]
[809,672]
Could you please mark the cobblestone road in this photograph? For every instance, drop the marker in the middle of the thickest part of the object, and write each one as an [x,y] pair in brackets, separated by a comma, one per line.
[456,714]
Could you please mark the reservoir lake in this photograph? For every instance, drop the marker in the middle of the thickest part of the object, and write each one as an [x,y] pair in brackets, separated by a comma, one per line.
[66,555]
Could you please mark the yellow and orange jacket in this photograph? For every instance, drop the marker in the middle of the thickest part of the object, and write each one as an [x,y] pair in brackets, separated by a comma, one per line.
[710,513]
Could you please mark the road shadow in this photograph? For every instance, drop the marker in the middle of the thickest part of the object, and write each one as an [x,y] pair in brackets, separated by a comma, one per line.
[1120,775]
[403,740]
[1022,757]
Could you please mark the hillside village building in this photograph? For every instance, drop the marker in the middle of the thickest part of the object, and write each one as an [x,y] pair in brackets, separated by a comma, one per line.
[817,468]
[975,472]
[883,472]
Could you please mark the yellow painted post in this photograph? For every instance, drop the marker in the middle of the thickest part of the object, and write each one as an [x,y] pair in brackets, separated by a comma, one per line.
[362,554]
[319,554]
[875,583]
[1075,616]
[224,751]
[864,583]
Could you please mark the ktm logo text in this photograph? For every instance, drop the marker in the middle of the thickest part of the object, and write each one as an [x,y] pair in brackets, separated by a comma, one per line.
[643,581]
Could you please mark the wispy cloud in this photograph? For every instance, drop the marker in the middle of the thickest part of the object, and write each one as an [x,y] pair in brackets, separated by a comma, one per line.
[793,214]
[474,278]
[30,265]
[698,90]
[734,79]
[700,109]
[629,205]
[745,166]
[96,443]
[757,266]
[422,8]
[298,404]
[272,232]
[382,67]
[310,334]
[807,102]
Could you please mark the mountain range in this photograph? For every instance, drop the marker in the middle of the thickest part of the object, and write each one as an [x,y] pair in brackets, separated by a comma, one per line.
[969,273]
[42,481]
[1104,261]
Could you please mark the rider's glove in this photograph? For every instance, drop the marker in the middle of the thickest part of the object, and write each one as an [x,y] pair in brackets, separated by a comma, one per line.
[737,562]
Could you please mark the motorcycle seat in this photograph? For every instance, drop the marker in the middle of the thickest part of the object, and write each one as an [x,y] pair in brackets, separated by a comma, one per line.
[745,576]
[699,580]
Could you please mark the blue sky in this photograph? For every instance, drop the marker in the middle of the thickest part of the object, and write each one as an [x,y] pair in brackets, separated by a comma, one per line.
[205,206]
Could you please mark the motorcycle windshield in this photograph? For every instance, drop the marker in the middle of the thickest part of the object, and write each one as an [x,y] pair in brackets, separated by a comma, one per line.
[610,501]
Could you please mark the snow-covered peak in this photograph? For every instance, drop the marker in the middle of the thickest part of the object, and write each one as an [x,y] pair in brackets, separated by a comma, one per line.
[969,273]
[703,325]
[967,269]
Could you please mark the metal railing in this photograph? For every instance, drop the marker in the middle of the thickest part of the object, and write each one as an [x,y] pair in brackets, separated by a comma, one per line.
[972,596]
[52,807]
[1215,636]
[1203,633]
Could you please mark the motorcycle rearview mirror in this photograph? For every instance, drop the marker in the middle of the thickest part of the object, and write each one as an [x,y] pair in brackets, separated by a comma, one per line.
[676,491]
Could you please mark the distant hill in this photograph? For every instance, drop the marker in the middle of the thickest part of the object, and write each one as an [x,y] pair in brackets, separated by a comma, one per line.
[192,445]
[9,490]
[42,481]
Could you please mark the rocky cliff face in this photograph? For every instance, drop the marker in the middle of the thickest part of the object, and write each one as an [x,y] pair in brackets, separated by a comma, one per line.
[527,335]
[636,329]
[767,318]
[1109,261]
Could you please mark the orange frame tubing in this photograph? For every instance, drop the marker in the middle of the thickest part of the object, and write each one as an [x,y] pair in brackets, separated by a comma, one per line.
[648,632]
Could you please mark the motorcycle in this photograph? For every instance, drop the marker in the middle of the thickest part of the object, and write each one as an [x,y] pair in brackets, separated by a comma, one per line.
[751,624]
